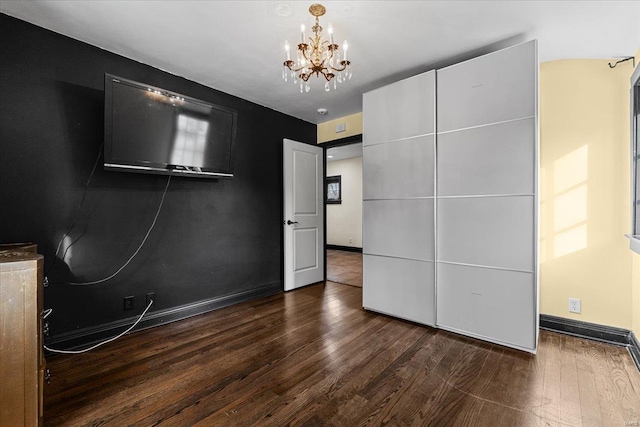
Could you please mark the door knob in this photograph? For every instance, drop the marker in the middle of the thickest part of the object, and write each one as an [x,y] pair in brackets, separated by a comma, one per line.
[289,222]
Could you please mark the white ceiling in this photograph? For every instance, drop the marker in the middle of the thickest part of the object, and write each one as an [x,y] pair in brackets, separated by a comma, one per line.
[237,46]
[344,152]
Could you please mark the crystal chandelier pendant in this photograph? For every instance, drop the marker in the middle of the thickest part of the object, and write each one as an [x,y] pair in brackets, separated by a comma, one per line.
[317,55]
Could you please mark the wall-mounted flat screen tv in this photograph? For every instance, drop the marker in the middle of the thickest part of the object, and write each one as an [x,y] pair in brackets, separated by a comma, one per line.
[153,130]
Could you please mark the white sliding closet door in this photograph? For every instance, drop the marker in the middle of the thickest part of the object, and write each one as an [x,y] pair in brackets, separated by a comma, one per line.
[399,199]
[487,283]
[456,249]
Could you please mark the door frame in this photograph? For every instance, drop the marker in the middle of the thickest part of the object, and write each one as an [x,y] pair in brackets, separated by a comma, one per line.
[353,139]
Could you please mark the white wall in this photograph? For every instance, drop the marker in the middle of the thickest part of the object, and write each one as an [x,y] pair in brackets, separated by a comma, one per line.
[344,221]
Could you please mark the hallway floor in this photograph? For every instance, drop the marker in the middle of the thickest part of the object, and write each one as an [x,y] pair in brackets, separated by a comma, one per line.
[344,267]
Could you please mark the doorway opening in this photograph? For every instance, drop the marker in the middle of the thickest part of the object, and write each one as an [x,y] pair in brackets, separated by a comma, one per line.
[343,204]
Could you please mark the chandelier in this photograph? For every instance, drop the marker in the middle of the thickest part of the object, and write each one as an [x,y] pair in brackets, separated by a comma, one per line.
[319,57]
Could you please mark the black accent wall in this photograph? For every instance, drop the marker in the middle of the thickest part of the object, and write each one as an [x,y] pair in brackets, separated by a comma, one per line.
[213,238]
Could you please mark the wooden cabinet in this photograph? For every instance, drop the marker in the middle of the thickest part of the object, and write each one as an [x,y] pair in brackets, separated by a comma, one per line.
[22,363]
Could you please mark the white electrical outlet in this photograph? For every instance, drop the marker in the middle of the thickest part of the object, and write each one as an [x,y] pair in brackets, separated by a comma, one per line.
[575,306]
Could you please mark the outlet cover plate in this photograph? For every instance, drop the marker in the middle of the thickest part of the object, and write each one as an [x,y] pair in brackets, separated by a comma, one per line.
[129,303]
[575,305]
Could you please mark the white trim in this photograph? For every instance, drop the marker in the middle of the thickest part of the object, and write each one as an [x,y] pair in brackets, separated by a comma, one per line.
[435,197]
[398,257]
[635,136]
[369,144]
[400,198]
[490,267]
[485,338]
[634,242]
[472,196]
[487,124]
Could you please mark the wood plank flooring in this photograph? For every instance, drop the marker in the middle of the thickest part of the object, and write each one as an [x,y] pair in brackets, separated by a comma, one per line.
[314,357]
[344,267]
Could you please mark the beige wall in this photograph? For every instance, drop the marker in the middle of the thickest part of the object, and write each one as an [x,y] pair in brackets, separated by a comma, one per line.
[327,130]
[344,221]
[584,191]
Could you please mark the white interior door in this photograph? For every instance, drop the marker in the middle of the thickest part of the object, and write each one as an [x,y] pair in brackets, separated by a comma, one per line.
[303,214]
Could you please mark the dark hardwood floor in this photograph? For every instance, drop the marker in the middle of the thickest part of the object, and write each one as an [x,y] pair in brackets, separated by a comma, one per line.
[314,357]
[344,267]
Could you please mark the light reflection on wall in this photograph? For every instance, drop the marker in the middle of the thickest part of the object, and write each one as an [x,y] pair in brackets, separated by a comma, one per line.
[189,144]
[567,202]
[66,250]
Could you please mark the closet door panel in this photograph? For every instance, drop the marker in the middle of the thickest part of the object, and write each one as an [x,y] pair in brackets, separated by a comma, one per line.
[492,88]
[399,228]
[490,231]
[400,110]
[398,192]
[487,197]
[400,169]
[495,305]
[496,159]
[400,287]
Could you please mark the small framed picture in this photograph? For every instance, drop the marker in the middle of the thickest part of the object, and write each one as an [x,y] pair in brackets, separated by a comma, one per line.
[334,189]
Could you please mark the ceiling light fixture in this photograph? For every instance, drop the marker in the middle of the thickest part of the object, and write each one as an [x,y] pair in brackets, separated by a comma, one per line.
[320,57]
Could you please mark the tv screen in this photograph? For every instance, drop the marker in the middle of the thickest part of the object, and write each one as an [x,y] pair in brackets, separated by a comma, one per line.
[153,130]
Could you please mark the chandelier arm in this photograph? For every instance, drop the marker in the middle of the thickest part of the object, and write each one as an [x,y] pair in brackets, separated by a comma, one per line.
[303,48]
[344,66]
[328,48]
